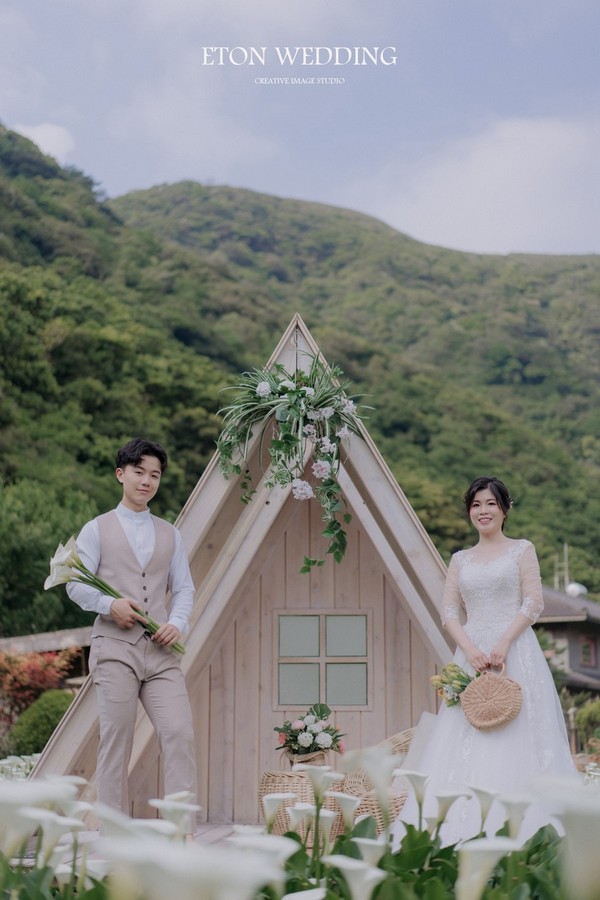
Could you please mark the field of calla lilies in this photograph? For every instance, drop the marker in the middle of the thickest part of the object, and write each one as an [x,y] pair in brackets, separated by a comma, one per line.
[47,851]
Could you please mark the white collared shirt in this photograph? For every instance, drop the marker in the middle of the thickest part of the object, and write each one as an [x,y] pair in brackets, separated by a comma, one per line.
[139,531]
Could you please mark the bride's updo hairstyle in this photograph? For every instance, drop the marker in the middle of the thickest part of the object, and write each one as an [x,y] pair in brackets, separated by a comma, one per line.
[498,489]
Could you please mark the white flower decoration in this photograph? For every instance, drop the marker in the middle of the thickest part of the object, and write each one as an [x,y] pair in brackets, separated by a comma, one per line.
[324,740]
[263,389]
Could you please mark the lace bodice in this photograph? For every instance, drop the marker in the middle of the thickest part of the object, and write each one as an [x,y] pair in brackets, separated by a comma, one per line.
[492,593]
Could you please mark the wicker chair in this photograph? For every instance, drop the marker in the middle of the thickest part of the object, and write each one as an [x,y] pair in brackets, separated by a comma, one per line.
[357,783]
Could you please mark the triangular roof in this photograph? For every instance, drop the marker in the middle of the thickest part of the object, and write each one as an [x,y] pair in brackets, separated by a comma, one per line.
[409,557]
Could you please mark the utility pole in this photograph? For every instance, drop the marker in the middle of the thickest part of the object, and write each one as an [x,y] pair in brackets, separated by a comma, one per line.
[561,568]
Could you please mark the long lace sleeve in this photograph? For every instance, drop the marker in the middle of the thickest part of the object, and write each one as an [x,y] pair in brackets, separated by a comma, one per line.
[532,599]
[451,599]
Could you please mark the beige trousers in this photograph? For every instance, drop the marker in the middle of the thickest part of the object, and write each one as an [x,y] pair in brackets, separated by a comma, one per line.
[123,673]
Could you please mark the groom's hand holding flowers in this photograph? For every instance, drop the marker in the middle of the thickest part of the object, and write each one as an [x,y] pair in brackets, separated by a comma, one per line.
[167,635]
[126,612]
[66,566]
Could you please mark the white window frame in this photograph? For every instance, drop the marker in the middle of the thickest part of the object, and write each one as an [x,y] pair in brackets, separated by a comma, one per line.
[322,659]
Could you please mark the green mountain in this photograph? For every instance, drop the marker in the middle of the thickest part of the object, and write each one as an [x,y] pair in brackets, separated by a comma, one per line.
[129,316]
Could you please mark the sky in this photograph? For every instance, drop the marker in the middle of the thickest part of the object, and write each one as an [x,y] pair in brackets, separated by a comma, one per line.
[475,125]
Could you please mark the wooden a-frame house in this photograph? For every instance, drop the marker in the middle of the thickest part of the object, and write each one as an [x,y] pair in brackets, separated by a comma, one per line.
[266,641]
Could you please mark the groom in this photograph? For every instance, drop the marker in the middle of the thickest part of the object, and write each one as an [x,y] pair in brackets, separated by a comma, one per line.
[144,559]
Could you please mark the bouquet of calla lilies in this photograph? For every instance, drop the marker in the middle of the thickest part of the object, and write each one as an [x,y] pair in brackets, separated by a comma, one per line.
[451,682]
[66,566]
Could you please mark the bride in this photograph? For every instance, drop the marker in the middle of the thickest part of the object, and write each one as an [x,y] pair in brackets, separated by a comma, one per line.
[494,588]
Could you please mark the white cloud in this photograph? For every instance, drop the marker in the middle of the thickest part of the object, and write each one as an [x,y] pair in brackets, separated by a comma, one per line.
[55,140]
[186,120]
[521,185]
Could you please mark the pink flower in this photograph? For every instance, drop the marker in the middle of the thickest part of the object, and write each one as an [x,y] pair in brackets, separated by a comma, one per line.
[282,738]
[297,725]
[341,747]
[301,490]
[321,468]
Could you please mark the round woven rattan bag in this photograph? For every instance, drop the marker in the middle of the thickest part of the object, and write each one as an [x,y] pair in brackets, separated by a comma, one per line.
[491,700]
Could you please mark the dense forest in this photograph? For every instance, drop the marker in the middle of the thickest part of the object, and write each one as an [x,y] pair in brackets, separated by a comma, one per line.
[129,316]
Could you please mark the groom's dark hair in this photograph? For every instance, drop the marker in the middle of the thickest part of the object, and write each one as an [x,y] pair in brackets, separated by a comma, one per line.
[131,453]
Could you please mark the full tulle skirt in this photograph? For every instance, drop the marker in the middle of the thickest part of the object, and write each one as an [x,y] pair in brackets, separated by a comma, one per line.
[503,761]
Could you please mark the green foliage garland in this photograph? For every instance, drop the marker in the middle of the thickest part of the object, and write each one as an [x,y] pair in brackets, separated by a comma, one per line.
[304,408]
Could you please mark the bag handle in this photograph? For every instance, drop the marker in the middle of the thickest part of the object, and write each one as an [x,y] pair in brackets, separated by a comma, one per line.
[494,670]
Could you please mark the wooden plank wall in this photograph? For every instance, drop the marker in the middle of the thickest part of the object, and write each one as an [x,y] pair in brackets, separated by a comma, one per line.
[233,697]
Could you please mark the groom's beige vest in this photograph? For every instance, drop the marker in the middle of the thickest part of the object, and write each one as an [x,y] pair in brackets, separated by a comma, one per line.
[120,569]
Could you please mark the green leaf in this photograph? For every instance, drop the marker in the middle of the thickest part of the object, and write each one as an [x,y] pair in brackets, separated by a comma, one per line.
[366,828]
[320,710]
[415,849]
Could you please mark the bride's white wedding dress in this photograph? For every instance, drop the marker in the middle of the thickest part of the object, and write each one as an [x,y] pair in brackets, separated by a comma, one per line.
[535,743]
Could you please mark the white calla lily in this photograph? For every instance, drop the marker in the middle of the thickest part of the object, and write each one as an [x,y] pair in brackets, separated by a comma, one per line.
[114,822]
[311,894]
[117,824]
[321,777]
[186,871]
[158,828]
[86,871]
[57,856]
[417,780]
[379,763]
[272,803]
[361,878]
[76,808]
[371,849]
[326,819]
[516,805]
[486,799]
[16,796]
[431,823]
[179,812]
[248,829]
[181,797]
[15,829]
[299,812]
[277,848]
[580,818]
[49,794]
[476,862]
[53,828]
[348,804]
[445,800]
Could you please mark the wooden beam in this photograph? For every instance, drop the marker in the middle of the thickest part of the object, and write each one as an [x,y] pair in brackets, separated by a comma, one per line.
[429,629]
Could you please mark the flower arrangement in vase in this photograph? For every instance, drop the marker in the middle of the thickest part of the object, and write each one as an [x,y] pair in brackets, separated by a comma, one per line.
[309,738]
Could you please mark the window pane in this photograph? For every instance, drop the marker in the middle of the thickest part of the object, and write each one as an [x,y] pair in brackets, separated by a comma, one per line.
[346,635]
[298,635]
[346,684]
[588,652]
[298,684]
